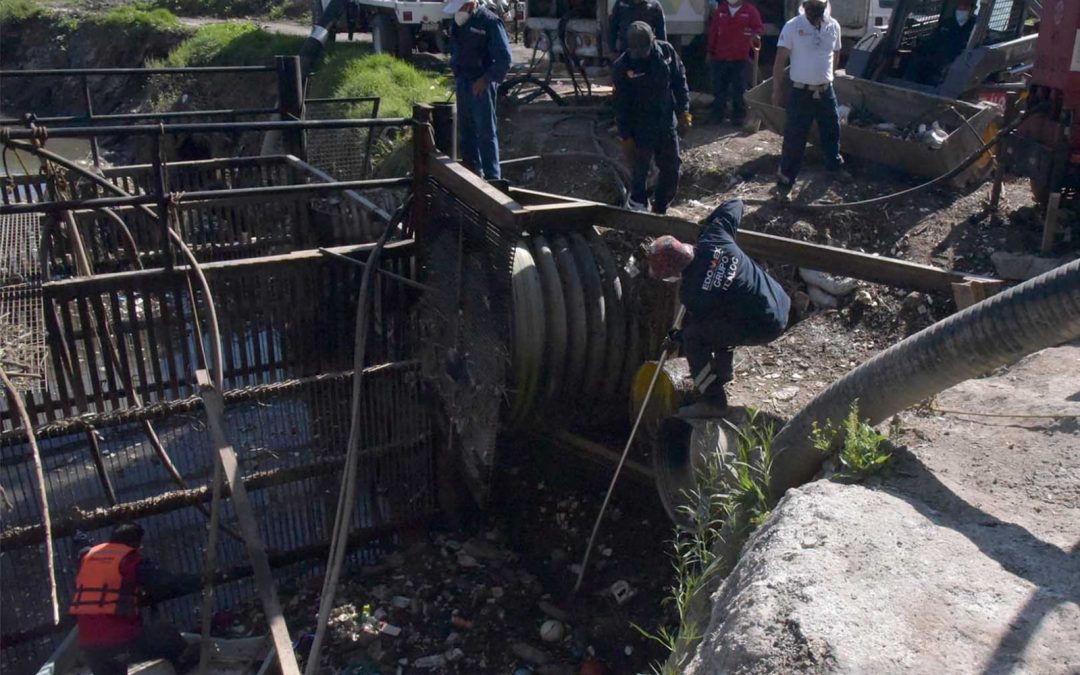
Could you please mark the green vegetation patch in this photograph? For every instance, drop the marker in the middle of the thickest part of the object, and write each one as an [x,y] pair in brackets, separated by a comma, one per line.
[861,450]
[349,70]
[399,83]
[234,8]
[20,10]
[138,19]
[238,43]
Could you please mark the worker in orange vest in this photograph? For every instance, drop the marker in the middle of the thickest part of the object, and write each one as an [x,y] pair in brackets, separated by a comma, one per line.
[111,581]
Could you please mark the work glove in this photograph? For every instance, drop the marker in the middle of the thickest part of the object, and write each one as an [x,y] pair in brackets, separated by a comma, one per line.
[672,341]
[686,120]
[628,149]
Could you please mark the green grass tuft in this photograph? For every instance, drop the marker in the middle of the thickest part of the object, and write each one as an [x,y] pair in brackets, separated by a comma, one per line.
[239,43]
[138,19]
[399,83]
[861,449]
[20,10]
[273,9]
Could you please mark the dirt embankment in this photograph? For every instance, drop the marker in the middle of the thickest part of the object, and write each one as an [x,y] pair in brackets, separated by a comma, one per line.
[53,39]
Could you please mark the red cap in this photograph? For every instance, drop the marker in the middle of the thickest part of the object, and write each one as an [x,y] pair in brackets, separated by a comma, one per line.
[668,257]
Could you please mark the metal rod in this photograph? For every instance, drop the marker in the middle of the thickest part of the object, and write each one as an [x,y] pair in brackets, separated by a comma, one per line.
[65,72]
[161,198]
[211,127]
[178,114]
[88,99]
[203,195]
[412,283]
[344,99]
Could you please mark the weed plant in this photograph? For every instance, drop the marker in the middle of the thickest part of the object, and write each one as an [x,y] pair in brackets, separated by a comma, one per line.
[861,450]
[731,499]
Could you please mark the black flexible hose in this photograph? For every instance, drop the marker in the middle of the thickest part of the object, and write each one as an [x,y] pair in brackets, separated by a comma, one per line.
[1037,314]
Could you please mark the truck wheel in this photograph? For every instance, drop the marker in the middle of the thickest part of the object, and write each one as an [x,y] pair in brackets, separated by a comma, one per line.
[384,34]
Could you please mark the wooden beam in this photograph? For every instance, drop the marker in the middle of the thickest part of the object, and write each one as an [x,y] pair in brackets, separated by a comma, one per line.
[494,205]
[99,282]
[245,513]
[865,266]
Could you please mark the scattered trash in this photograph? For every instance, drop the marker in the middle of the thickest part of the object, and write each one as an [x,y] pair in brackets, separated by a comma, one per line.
[527,652]
[552,631]
[622,591]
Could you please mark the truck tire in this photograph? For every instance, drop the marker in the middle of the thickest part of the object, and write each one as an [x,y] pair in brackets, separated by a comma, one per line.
[384,34]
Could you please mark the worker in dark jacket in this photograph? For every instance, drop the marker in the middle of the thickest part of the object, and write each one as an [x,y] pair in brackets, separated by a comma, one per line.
[480,59]
[112,579]
[936,54]
[652,103]
[626,12]
[730,301]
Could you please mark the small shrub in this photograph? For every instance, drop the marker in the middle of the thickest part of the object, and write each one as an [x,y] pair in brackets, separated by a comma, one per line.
[20,10]
[861,449]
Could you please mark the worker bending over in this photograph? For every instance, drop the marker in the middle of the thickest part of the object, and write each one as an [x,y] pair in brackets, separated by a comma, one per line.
[626,12]
[652,103]
[480,59]
[112,580]
[811,42]
[730,301]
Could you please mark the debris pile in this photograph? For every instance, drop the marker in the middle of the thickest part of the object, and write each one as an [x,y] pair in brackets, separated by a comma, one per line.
[495,599]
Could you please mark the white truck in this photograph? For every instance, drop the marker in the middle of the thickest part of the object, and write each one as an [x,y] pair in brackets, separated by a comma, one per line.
[396,27]
[583,24]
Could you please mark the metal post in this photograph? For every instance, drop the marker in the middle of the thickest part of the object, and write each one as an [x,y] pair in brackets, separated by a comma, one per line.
[162,192]
[444,119]
[291,102]
[999,161]
[422,151]
[94,149]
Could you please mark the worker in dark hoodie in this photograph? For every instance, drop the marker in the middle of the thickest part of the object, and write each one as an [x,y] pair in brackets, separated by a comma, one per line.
[730,301]
[652,107]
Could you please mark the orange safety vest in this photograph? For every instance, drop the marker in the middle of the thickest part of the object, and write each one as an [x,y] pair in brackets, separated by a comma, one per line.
[100,587]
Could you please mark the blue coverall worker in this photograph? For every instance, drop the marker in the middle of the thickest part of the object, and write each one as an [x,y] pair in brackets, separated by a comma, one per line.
[626,12]
[730,301]
[811,42]
[652,103]
[928,63]
[479,59]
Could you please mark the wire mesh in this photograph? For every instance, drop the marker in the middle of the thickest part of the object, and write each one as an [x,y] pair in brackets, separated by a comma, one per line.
[345,154]
[22,325]
[273,430]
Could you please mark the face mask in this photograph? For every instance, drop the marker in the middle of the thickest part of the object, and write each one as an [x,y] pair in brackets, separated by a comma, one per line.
[962,16]
[814,12]
[461,17]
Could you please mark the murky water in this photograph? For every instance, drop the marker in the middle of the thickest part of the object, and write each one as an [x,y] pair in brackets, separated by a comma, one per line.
[77,149]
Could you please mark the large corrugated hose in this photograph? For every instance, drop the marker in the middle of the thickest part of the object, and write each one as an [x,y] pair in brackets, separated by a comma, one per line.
[1037,314]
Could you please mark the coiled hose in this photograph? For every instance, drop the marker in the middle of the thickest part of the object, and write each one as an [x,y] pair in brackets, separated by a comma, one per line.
[1037,314]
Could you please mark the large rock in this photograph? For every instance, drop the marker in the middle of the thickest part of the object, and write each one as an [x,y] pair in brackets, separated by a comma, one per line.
[964,560]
